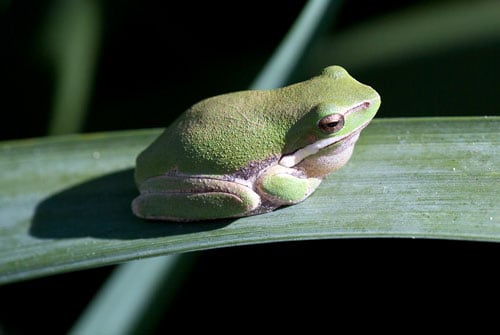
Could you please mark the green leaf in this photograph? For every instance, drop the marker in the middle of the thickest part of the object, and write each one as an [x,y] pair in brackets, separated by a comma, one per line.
[65,201]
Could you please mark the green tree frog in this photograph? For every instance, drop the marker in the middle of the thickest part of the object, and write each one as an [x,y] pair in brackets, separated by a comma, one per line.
[250,152]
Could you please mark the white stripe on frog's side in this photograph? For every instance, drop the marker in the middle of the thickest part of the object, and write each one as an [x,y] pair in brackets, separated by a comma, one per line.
[295,158]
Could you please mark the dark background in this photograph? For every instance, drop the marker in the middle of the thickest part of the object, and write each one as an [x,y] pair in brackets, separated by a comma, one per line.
[155,59]
[158,58]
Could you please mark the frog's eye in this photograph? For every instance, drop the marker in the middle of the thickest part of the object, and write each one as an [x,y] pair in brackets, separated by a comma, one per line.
[331,123]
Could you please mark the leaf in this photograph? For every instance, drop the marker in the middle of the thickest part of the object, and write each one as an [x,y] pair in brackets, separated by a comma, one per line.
[65,201]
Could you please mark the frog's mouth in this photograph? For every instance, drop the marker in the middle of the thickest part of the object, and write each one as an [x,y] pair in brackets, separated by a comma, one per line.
[296,157]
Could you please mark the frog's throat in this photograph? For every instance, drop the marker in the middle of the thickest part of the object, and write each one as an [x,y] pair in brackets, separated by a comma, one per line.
[295,158]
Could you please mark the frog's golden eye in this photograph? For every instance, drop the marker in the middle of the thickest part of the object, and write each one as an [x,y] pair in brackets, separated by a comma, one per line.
[331,123]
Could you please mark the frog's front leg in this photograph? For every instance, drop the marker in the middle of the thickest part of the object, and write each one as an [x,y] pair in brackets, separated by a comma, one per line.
[180,198]
[285,186]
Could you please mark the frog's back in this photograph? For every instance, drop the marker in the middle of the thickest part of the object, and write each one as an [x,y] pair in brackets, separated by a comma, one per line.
[218,135]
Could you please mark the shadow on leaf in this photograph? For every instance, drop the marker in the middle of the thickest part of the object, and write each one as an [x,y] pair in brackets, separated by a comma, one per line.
[100,208]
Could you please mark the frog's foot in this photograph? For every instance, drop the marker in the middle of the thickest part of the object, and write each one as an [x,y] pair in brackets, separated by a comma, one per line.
[194,199]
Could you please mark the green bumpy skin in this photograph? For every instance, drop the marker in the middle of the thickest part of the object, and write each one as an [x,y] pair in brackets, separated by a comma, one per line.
[250,152]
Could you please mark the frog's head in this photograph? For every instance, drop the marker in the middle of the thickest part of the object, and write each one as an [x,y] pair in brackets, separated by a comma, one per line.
[323,138]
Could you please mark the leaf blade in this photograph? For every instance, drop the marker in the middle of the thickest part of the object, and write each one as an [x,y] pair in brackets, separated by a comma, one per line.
[65,200]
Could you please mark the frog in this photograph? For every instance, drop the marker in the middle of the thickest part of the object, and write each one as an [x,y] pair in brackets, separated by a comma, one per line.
[250,152]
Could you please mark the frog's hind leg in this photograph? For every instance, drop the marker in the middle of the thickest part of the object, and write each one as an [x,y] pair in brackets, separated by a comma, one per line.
[193,199]
[188,207]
